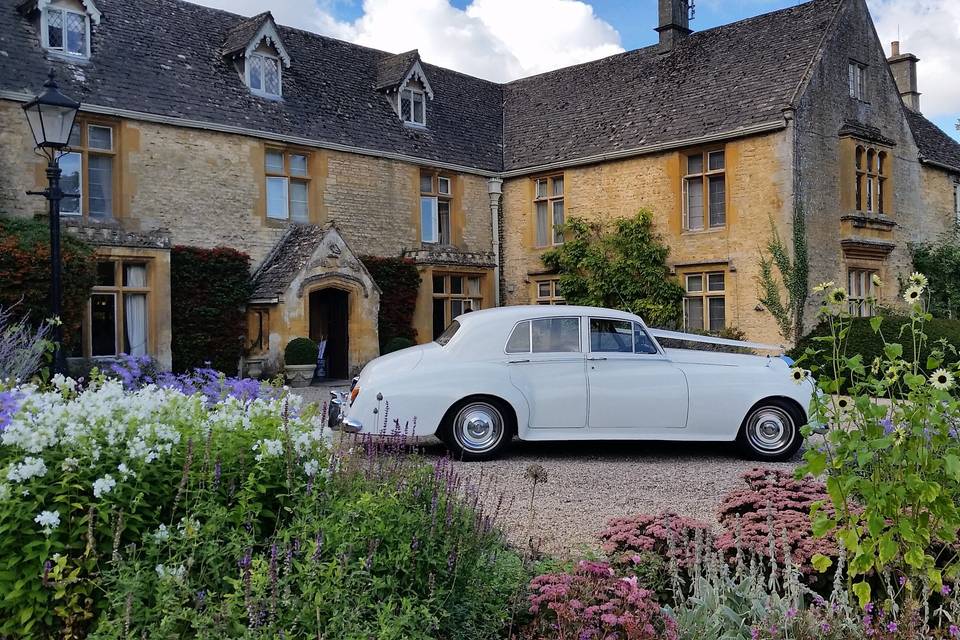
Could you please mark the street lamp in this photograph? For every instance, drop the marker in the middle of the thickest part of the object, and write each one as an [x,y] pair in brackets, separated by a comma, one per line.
[51,117]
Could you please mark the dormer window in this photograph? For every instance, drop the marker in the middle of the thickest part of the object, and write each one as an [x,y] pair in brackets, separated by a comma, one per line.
[257,53]
[65,25]
[403,81]
[413,107]
[264,74]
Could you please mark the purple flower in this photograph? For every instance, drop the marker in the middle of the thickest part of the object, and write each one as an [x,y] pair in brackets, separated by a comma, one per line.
[945,590]
[954,631]
[903,580]
[868,608]
[9,405]
[791,613]
[892,627]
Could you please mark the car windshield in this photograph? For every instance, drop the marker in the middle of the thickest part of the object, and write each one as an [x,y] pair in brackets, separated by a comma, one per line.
[448,333]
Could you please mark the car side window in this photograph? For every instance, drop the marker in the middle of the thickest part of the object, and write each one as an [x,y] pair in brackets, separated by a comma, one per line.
[611,336]
[556,335]
[642,343]
[519,341]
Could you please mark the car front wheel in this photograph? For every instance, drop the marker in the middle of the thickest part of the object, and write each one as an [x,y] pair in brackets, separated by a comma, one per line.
[771,431]
[477,429]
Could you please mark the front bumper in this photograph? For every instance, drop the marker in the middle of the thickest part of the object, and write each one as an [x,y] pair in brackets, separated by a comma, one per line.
[336,418]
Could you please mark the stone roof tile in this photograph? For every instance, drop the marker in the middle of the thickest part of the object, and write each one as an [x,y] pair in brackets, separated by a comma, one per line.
[934,143]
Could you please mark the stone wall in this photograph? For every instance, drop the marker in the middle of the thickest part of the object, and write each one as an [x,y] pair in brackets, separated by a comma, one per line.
[937,190]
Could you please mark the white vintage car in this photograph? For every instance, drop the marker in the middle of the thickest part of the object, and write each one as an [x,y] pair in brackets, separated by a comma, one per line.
[574,373]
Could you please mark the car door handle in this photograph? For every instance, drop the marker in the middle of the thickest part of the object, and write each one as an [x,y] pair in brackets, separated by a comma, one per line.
[517,361]
[594,358]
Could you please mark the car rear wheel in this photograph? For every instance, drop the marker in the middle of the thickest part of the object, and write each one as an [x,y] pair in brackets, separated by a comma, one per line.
[477,429]
[771,431]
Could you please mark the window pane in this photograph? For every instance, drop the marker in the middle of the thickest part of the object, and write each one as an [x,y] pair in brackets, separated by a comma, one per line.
[274,161]
[558,187]
[71,183]
[556,335]
[103,324]
[715,282]
[100,138]
[444,185]
[428,219]
[419,109]
[426,182]
[256,73]
[443,220]
[100,178]
[695,283]
[75,135]
[277,198]
[519,341]
[611,336]
[694,164]
[406,106]
[543,289]
[558,222]
[456,308]
[106,274]
[715,160]
[641,341]
[438,284]
[298,164]
[541,189]
[473,286]
[693,314]
[135,324]
[76,33]
[456,284]
[271,76]
[299,207]
[55,28]
[543,225]
[439,319]
[717,314]
[134,275]
[695,203]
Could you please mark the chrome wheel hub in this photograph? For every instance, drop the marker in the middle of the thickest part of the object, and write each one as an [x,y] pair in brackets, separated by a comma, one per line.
[478,427]
[770,430]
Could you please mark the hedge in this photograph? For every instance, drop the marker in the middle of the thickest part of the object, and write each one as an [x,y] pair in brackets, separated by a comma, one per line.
[25,274]
[863,340]
[209,290]
[399,282]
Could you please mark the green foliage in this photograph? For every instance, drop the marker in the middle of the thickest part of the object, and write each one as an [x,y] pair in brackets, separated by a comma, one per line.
[619,264]
[396,344]
[940,262]
[301,351]
[25,274]
[793,274]
[893,469]
[399,282]
[209,291]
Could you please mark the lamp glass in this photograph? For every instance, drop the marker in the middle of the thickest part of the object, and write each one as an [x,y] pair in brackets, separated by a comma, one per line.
[51,124]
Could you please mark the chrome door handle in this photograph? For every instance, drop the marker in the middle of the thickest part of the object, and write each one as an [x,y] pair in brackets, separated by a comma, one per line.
[517,361]
[596,358]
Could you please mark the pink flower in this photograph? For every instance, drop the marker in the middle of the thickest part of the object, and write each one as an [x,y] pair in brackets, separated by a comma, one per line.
[954,631]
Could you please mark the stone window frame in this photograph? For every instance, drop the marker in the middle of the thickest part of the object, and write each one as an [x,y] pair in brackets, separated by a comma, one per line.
[857,80]
[860,289]
[546,291]
[444,234]
[548,201]
[707,175]
[118,290]
[872,170]
[80,146]
[450,299]
[704,294]
[290,177]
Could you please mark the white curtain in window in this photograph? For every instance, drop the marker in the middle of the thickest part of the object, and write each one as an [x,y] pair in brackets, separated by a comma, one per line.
[135,307]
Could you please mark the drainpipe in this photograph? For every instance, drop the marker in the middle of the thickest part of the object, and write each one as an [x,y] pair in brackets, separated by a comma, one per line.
[495,190]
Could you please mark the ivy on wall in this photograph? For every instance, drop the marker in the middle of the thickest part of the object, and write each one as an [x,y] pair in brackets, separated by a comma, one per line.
[209,289]
[25,274]
[399,282]
[786,308]
[619,264]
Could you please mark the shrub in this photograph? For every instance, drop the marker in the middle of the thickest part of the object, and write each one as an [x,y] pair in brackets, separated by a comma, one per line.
[940,262]
[209,290]
[399,282]
[591,602]
[25,274]
[625,538]
[301,351]
[396,344]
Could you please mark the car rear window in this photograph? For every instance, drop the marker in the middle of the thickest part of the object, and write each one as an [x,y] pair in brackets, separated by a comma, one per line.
[546,335]
[448,333]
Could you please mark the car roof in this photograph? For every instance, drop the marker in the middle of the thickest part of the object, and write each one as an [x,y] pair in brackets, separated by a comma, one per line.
[516,313]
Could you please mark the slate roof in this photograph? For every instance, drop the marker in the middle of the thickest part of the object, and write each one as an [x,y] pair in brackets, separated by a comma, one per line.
[934,143]
[287,258]
[715,81]
[392,70]
[165,57]
[239,37]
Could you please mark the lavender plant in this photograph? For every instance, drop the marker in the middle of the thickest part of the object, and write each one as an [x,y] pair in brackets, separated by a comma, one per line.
[23,348]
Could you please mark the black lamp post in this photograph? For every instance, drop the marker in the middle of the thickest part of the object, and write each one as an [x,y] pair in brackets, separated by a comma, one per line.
[51,117]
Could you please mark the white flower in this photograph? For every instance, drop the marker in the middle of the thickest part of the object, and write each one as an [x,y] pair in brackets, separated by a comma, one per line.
[124,470]
[311,467]
[69,464]
[49,520]
[176,573]
[837,296]
[941,379]
[913,293]
[918,279]
[877,282]
[30,468]
[161,534]
[823,286]
[798,375]
[102,486]
[268,449]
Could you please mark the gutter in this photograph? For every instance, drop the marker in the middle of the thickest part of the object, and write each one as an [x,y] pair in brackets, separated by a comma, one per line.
[939,165]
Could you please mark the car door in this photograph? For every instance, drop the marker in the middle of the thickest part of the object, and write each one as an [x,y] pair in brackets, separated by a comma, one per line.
[546,363]
[631,384]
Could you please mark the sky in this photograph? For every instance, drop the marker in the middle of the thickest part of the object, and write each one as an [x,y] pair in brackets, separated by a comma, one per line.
[503,40]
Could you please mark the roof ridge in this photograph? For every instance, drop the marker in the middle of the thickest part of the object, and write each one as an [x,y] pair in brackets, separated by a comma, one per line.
[818,55]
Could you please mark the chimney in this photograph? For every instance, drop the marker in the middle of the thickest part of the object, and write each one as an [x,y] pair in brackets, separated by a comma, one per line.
[904,68]
[674,22]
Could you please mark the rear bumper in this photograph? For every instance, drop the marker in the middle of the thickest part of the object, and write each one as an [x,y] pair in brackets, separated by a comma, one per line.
[337,419]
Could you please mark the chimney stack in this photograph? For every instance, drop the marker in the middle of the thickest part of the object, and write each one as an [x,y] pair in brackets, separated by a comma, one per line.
[674,22]
[904,68]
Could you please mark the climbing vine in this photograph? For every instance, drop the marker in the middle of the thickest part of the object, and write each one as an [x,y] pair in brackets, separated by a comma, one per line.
[785,296]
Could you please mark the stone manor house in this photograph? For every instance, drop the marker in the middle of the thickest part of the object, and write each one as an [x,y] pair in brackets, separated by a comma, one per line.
[201,127]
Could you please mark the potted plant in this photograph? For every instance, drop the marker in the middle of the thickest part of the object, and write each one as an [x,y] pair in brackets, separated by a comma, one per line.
[300,361]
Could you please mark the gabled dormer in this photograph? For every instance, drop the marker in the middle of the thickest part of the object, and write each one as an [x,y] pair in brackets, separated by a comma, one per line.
[65,25]
[402,80]
[257,53]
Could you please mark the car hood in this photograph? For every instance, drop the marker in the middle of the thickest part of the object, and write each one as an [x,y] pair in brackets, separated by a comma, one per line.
[695,356]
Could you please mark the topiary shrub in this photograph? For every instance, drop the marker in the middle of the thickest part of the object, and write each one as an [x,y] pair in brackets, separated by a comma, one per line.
[399,282]
[396,344]
[209,290]
[25,274]
[301,351]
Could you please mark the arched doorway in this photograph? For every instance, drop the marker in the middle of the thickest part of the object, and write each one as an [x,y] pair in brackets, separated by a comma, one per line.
[329,320]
